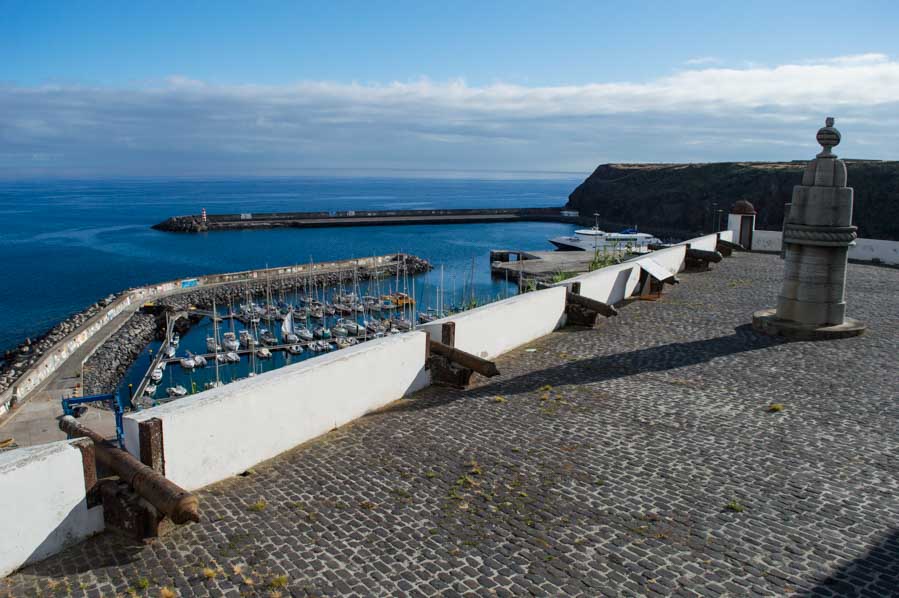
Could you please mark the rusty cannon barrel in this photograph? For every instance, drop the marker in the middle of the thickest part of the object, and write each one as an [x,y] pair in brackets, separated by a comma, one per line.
[180,505]
[467,360]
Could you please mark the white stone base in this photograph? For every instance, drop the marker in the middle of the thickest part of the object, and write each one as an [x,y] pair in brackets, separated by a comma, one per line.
[767,322]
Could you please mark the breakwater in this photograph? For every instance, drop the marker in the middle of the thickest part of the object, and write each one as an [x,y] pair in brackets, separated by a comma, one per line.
[103,370]
[195,223]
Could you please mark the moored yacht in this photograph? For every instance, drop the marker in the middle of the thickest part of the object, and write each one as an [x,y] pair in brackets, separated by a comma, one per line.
[593,239]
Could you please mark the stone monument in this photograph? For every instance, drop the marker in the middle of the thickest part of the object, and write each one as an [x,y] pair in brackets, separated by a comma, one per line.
[817,235]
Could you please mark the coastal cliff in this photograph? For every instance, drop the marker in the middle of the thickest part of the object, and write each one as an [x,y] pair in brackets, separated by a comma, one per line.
[676,199]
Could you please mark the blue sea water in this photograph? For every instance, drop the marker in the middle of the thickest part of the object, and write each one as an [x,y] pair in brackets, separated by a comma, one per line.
[66,244]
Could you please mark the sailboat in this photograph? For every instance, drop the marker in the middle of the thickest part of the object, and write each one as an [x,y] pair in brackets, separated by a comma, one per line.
[287,334]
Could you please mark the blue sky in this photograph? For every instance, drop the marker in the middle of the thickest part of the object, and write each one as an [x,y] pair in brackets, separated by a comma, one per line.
[269,88]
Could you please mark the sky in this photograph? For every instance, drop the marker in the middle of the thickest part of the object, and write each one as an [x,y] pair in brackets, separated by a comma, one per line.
[266,88]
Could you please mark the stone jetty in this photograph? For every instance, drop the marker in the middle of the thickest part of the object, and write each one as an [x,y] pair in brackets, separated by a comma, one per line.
[104,369]
[203,222]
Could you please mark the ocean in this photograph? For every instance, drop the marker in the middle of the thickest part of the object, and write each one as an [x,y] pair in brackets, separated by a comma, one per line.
[65,244]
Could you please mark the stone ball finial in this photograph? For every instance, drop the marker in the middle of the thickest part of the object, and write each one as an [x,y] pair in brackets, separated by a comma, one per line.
[828,137]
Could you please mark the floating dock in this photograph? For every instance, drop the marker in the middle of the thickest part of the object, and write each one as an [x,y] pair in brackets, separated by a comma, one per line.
[204,222]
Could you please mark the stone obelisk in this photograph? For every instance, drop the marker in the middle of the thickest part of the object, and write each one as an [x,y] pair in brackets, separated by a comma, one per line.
[817,235]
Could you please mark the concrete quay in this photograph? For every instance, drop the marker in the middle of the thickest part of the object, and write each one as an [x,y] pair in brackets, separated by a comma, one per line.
[670,451]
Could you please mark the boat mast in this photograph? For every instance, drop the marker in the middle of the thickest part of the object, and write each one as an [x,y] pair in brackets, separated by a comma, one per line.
[215,335]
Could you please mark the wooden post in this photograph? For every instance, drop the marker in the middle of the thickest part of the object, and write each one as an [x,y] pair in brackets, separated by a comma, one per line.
[89,466]
[448,334]
[151,446]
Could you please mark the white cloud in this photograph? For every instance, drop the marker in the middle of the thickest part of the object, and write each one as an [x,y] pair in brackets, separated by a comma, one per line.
[184,125]
[701,60]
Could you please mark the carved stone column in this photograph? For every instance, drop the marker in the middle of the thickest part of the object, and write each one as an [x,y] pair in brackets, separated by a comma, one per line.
[817,235]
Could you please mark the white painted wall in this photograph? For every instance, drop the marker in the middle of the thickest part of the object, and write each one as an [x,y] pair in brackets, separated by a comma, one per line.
[218,433]
[726,235]
[871,249]
[767,240]
[886,252]
[610,284]
[670,258]
[493,329]
[705,242]
[42,503]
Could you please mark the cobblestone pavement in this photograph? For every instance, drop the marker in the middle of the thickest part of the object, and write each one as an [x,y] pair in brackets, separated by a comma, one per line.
[638,458]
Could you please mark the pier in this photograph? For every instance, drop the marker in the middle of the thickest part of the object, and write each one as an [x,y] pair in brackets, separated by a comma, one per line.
[203,222]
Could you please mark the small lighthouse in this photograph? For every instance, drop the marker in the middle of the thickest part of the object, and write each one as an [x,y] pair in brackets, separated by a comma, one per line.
[203,216]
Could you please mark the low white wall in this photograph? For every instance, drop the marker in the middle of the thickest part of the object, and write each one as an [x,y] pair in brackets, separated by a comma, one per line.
[886,252]
[767,240]
[495,328]
[726,235]
[875,249]
[611,284]
[42,503]
[670,258]
[221,432]
[705,242]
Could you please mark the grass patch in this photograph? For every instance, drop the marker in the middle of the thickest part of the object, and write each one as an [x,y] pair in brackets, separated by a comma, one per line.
[735,506]
[499,399]
[257,506]
[775,407]
[209,573]
[142,584]
[278,582]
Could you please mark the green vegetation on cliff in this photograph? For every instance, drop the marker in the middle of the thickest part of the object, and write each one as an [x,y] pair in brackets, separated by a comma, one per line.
[676,199]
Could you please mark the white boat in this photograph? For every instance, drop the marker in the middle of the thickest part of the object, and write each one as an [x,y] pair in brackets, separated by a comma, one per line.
[267,337]
[188,363]
[176,391]
[213,384]
[351,326]
[199,361]
[156,375]
[342,342]
[305,334]
[246,339]
[169,351]
[150,390]
[230,342]
[176,339]
[339,330]
[294,349]
[221,357]
[211,345]
[401,324]
[263,353]
[287,333]
[594,239]
[232,357]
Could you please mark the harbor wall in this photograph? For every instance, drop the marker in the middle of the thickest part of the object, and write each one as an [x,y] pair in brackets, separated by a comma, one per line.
[493,329]
[224,431]
[42,498]
[864,250]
